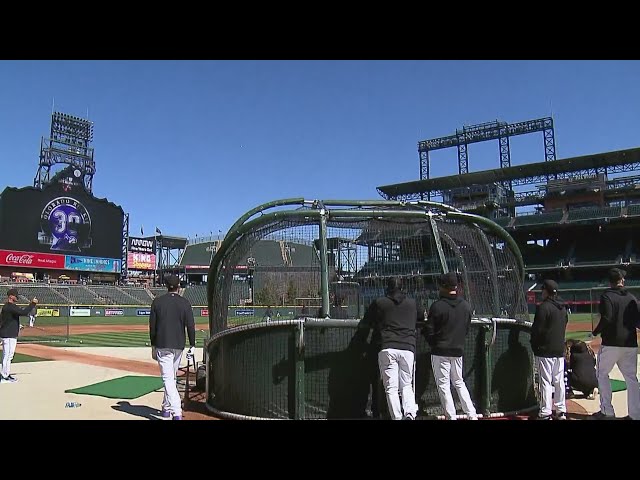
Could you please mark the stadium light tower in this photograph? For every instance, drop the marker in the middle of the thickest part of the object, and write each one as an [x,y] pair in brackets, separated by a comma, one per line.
[483,132]
[68,143]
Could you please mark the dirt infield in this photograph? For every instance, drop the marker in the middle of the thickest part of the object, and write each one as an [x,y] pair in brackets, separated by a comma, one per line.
[56,353]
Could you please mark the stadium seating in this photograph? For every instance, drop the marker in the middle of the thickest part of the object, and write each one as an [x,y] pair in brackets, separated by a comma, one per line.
[157,291]
[111,295]
[553,217]
[140,296]
[43,293]
[599,250]
[586,214]
[633,210]
[198,254]
[197,295]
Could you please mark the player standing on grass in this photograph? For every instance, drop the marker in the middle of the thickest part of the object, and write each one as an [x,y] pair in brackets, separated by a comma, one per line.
[9,329]
[170,315]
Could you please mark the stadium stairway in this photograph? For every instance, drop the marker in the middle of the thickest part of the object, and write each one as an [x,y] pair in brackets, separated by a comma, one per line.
[134,300]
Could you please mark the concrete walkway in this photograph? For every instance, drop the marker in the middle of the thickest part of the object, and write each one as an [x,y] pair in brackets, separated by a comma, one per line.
[39,392]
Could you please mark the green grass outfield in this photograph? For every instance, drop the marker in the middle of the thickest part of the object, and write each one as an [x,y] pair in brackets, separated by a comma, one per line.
[100,320]
[140,339]
[200,321]
[113,339]
[573,318]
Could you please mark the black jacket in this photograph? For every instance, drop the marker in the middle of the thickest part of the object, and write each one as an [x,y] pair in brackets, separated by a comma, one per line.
[549,327]
[618,318]
[583,370]
[10,319]
[170,315]
[447,326]
[393,319]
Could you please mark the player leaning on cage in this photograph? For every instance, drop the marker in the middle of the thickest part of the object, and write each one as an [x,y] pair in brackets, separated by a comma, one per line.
[9,329]
[446,329]
[393,318]
[619,318]
[170,315]
[547,342]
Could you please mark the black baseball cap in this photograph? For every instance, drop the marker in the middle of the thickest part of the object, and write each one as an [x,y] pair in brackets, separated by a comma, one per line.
[172,281]
[449,279]
[12,291]
[550,286]
[616,274]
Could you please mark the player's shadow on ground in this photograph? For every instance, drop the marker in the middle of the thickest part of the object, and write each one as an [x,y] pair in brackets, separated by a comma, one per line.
[143,411]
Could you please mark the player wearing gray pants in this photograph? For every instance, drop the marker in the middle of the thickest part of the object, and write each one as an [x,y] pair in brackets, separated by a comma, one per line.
[169,361]
[446,328]
[170,315]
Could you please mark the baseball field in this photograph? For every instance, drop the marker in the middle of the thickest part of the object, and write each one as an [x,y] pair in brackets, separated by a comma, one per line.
[104,353]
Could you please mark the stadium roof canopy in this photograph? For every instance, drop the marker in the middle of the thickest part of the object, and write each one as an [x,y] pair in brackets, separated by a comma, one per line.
[536,172]
[171,242]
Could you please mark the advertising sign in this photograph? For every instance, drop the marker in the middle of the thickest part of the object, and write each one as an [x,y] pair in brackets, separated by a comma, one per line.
[143,312]
[141,261]
[204,312]
[92,264]
[113,312]
[142,245]
[47,312]
[245,312]
[14,258]
[80,312]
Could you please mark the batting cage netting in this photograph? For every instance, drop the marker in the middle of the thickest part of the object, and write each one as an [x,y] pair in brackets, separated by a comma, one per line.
[292,279]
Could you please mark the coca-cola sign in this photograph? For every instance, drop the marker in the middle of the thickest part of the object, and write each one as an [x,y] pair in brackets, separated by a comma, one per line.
[30,259]
[23,259]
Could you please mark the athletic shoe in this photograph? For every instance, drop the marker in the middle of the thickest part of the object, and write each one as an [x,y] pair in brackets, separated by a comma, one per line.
[9,379]
[177,417]
[601,416]
[544,417]
[561,416]
[409,417]
[166,415]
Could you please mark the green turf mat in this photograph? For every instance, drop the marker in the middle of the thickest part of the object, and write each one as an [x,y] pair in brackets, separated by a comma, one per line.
[129,387]
[618,385]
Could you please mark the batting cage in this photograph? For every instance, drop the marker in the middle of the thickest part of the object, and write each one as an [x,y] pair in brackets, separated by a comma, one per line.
[322,263]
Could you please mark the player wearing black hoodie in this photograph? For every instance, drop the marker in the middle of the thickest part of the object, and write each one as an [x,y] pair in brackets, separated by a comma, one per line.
[547,343]
[9,329]
[619,318]
[393,318]
[446,329]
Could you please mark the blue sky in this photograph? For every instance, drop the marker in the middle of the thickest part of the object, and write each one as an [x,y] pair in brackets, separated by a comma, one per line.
[189,146]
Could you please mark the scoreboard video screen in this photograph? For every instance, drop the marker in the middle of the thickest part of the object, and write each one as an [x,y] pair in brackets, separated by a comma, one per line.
[60,221]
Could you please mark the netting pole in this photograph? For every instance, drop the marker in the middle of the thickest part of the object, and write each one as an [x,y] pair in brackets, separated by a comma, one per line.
[456,249]
[485,400]
[436,237]
[497,308]
[299,412]
[324,260]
